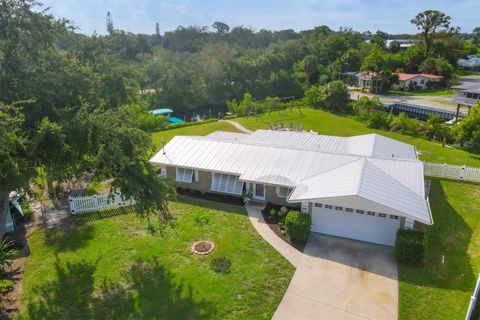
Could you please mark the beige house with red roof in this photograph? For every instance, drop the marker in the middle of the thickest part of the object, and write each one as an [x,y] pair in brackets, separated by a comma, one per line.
[417,81]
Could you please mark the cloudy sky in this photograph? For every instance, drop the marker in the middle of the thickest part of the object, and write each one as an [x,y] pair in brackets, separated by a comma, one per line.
[140,16]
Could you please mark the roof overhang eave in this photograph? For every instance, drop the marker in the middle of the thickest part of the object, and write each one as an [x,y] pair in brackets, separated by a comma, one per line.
[422,220]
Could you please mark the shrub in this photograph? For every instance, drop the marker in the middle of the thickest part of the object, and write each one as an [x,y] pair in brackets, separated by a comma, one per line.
[220,265]
[410,246]
[297,225]
[7,254]
[272,213]
[6,286]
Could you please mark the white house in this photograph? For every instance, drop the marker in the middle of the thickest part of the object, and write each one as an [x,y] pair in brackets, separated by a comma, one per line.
[417,81]
[362,187]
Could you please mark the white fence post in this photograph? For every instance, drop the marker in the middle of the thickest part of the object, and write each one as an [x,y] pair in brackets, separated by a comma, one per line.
[473,300]
[98,202]
[449,171]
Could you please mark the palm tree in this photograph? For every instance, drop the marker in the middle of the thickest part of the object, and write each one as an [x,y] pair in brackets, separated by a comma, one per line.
[366,104]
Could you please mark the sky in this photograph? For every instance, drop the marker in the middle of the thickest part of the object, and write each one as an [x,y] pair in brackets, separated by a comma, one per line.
[140,16]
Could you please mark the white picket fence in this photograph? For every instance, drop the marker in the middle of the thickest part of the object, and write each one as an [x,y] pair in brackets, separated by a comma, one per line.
[83,204]
[449,171]
[473,300]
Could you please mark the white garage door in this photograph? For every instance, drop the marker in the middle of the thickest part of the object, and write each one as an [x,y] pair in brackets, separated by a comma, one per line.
[354,225]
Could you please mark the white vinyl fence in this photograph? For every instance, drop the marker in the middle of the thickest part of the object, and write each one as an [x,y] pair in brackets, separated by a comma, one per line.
[473,300]
[82,204]
[443,170]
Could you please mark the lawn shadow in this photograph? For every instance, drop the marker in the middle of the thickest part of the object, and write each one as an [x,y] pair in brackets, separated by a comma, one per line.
[67,297]
[447,264]
[100,215]
[207,202]
[70,238]
[147,292]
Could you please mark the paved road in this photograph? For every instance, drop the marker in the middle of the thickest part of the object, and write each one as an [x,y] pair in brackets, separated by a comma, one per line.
[342,279]
[437,102]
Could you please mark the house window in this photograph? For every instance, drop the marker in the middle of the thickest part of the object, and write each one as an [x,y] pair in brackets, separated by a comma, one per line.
[184,175]
[349,210]
[318,205]
[163,171]
[226,183]
[338,208]
[370,213]
[283,192]
[360,211]
[469,95]
[382,215]
[393,217]
[327,206]
[422,81]
[259,191]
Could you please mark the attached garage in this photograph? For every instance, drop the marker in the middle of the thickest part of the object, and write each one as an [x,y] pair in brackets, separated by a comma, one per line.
[355,224]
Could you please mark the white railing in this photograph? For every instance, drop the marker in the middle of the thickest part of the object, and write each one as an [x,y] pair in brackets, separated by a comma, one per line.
[449,171]
[473,300]
[97,202]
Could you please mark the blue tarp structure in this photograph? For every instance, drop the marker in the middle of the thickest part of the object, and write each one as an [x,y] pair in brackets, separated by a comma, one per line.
[167,113]
[162,112]
[174,120]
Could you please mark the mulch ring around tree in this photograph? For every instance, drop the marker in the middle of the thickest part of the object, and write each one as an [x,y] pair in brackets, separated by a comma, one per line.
[203,247]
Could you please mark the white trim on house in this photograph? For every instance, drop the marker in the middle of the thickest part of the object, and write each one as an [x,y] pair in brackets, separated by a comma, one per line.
[283,192]
[184,175]
[226,183]
[259,187]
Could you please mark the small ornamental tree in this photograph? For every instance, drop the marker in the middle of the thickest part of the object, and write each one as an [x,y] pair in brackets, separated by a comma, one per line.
[202,219]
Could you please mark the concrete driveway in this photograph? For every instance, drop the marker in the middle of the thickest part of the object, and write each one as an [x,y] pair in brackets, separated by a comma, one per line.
[342,279]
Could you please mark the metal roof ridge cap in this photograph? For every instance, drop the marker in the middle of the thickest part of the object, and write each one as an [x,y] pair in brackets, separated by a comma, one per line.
[403,184]
[360,179]
[278,146]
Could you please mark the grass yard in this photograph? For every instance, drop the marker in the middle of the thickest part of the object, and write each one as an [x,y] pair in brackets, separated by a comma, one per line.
[195,130]
[330,124]
[111,267]
[426,93]
[441,288]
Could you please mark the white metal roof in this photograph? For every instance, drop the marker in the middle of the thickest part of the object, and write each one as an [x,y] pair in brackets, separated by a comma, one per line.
[225,135]
[365,145]
[318,166]
[363,179]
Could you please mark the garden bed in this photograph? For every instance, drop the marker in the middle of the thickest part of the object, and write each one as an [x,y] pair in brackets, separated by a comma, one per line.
[274,225]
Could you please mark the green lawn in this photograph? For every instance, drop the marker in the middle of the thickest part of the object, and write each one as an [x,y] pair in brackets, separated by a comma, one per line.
[442,290]
[426,93]
[195,130]
[111,267]
[330,124]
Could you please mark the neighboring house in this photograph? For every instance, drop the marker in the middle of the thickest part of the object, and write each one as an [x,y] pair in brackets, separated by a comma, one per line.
[417,81]
[467,94]
[367,80]
[362,187]
[473,62]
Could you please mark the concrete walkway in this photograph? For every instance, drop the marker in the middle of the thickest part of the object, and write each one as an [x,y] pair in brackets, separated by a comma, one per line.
[238,126]
[286,250]
[342,279]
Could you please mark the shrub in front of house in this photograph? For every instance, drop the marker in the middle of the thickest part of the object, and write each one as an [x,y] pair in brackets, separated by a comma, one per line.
[411,246]
[297,225]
